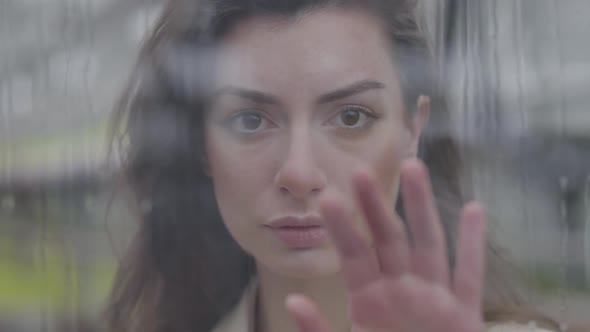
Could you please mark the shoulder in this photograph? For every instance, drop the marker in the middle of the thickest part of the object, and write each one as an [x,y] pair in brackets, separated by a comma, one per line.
[516,327]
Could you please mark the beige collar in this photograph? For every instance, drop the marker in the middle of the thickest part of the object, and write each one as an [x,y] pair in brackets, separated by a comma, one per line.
[242,317]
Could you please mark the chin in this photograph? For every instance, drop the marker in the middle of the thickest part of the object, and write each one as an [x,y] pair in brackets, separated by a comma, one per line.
[303,263]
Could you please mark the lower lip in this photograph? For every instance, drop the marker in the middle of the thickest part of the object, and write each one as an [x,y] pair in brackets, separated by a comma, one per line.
[301,237]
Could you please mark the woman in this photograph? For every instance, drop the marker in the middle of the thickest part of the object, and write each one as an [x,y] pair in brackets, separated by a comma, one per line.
[268,141]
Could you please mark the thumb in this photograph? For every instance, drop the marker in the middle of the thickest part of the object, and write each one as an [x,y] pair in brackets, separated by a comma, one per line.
[306,314]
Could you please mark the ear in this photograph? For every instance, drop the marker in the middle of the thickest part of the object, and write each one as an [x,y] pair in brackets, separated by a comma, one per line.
[417,123]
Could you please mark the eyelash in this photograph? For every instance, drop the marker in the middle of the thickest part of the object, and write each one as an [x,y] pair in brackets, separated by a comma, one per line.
[232,120]
[371,117]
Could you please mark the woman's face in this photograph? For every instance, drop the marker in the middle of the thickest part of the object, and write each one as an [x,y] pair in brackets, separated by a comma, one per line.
[299,106]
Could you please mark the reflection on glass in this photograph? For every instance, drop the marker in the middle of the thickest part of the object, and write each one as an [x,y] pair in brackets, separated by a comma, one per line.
[245,119]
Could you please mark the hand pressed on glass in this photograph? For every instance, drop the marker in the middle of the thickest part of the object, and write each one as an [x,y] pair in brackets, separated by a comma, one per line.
[398,286]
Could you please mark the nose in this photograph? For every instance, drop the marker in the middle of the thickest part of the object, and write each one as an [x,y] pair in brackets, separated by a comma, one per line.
[299,174]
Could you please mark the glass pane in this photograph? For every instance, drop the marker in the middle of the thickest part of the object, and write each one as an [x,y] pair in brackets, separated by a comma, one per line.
[84,193]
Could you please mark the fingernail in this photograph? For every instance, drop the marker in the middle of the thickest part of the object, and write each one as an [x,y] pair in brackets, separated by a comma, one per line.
[293,301]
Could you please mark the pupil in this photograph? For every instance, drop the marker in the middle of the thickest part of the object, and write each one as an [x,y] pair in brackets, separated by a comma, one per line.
[350,117]
[251,121]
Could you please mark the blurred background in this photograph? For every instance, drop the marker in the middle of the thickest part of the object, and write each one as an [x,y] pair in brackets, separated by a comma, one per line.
[518,76]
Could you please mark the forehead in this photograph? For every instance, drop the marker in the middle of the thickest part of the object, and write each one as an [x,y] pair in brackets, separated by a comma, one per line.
[317,50]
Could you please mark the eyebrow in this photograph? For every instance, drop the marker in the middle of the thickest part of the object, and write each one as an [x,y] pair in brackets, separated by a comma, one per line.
[253,95]
[263,98]
[350,90]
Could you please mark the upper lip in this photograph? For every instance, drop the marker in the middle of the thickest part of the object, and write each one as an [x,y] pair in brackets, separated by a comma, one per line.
[293,221]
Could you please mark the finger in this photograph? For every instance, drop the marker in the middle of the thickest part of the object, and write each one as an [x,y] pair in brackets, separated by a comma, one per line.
[374,307]
[468,276]
[389,234]
[306,314]
[440,313]
[357,258]
[428,257]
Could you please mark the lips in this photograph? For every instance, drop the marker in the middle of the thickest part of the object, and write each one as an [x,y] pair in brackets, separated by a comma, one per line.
[293,222]
[299,233]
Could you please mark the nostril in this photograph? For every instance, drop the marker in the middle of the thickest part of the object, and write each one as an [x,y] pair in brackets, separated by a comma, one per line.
[286,191]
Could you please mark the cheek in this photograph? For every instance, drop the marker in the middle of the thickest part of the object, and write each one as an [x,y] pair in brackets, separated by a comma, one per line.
[227,177]
[233,183]
[386,160]
[239,177]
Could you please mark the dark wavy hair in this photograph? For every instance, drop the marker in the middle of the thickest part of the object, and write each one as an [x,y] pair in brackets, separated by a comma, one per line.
[183,271]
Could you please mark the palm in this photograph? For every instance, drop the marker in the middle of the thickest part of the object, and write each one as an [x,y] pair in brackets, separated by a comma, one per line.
[395,286]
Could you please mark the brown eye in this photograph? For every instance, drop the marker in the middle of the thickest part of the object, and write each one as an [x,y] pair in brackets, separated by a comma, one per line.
[249,122]
[353,117]
[350,117]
